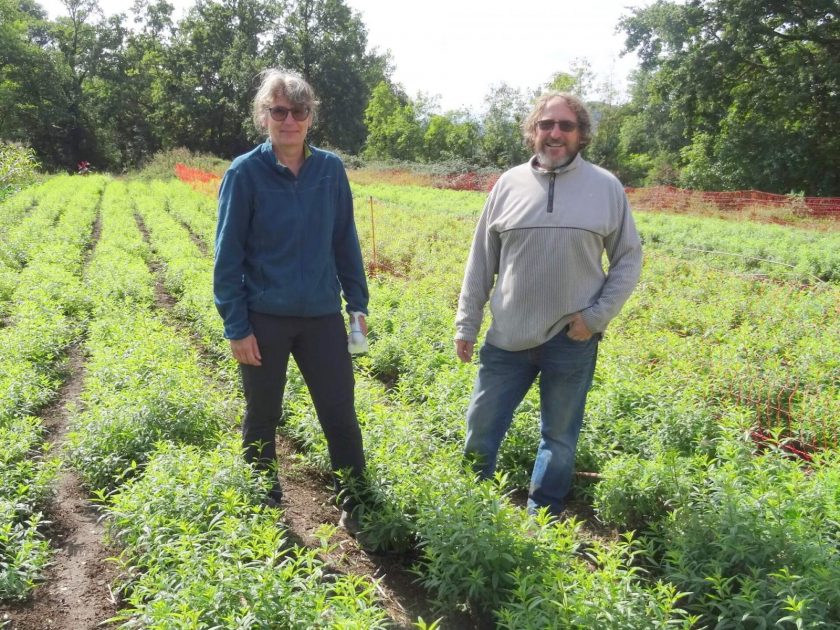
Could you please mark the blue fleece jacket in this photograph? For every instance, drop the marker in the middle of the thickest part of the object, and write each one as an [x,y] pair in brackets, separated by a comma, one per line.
[286,245]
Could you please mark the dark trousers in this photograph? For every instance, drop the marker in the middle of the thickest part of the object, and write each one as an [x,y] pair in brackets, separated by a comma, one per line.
[319,347]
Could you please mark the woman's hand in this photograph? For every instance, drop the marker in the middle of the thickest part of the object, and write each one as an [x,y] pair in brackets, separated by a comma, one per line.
[246,350]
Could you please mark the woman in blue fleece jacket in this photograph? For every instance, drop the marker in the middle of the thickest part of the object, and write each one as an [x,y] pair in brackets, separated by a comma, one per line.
[286,253]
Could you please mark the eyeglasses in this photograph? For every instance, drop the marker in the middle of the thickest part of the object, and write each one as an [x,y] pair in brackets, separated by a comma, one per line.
[280,113]
[565,125]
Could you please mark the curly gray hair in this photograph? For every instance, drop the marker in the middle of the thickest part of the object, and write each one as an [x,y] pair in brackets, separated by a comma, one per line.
[584,121]
[276,82]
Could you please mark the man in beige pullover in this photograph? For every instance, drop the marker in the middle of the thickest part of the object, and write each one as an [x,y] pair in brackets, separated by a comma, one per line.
[538,246]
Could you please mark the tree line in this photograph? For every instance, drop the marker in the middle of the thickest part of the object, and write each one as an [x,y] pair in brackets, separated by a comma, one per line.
[114,90]
[730,94]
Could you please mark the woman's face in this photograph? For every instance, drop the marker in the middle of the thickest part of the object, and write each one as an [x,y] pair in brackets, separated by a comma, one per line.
[288,134]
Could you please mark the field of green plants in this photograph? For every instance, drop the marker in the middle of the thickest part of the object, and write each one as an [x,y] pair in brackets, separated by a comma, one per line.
[685,519]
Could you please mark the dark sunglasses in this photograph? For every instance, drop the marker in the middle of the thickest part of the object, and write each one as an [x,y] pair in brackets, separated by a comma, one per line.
[565,125]
[279,113]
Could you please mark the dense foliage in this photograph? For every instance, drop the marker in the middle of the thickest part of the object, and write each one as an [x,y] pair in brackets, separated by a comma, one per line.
[735,94]
[115,90]
[146,398]
[699,355]
[731,94]
[697,525]
[18,167]
[717,531]
[43,235]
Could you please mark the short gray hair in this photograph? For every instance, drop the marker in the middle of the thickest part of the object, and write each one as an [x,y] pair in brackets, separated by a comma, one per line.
[276,82]
[584,121]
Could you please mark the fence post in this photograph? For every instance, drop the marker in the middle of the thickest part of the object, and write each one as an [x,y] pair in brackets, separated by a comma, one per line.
[372,232]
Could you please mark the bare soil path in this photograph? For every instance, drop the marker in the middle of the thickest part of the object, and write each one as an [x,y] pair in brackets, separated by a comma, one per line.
[75,593]
[307,505]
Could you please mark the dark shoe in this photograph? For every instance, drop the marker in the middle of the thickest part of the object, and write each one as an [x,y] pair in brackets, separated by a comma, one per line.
[274,498]
[349,522]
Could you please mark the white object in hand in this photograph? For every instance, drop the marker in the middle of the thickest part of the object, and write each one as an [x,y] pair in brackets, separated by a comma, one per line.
[356,341]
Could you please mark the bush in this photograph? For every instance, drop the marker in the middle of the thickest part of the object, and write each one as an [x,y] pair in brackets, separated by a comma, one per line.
[755,545]
[18,168]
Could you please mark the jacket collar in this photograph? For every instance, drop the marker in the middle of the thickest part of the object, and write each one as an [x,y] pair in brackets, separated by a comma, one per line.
[576,161]
[267,153]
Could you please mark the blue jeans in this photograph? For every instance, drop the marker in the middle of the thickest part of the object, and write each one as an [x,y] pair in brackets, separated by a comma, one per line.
[566,368]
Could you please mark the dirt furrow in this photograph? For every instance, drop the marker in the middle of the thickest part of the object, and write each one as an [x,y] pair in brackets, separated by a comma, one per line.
[76,591]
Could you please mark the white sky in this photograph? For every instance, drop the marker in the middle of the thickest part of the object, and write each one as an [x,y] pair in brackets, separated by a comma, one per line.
[458,49]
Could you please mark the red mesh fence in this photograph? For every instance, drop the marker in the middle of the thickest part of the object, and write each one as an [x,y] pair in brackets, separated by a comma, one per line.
[671,198]
[651,198]
[469,181]
[190,175]
[783,417]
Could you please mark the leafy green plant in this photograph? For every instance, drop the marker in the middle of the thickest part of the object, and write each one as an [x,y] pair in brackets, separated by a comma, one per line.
[784,253]
[143,398]
[569,593]
[635,492]
[27,473]
[200,548]
[18,168]
[754,543]
[134,395]
[24,552]
[45,314]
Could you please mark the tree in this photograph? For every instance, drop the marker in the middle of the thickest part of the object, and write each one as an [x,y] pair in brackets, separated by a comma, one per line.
[393,129]
[327,43]
[631,139]
[451,136]
[73,90]
[436,138]
[749,86]
[201,98]
[134,90]
[87,87]
[605,149]
[502,145]
[577,81]
[34,84]
[91,48]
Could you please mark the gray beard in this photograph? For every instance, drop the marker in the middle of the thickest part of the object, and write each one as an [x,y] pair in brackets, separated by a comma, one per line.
[545,162]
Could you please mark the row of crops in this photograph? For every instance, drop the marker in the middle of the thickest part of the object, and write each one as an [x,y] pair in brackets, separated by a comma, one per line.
[44,237]
[744,536]
[152,437]
[706,528]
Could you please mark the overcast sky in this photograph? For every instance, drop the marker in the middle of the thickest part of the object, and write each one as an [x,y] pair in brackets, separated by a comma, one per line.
[458,49]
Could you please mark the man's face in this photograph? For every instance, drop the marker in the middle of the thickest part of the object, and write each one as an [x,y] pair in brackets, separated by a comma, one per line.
[555,147]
